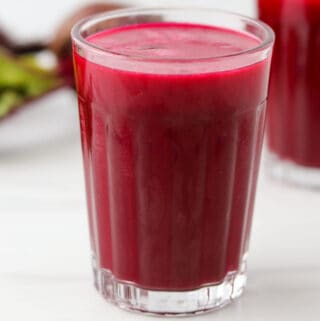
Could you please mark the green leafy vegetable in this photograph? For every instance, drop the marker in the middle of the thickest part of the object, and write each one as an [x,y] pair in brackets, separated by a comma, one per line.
[20,81]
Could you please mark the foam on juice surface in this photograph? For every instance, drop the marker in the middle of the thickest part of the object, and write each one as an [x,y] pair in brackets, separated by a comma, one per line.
[184,43]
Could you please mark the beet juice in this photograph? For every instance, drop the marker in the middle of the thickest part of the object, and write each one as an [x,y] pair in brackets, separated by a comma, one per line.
[294,103]
[172,119]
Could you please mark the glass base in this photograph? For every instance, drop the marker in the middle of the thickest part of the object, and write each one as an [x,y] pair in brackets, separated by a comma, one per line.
[129,296]
[290,172]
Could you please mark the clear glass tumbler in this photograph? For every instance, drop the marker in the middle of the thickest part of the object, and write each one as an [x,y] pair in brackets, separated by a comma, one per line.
[293,126]
[172,110]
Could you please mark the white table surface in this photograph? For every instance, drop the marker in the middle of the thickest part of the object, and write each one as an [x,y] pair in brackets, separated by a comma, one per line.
[45,272]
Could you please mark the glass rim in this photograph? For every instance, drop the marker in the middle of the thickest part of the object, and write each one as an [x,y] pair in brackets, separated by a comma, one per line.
[92,20]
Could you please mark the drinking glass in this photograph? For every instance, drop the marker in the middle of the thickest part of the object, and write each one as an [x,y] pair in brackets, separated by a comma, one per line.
[172,109]
[293,121]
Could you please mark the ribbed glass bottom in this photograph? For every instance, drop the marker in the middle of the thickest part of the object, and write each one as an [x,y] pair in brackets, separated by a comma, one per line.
[129,296]
[290,172]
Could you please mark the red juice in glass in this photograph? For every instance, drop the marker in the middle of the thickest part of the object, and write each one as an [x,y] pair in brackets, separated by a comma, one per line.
[172,118]
[293,125]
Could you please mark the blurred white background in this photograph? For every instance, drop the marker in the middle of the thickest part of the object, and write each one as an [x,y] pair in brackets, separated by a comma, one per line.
[45,272]
[38,19]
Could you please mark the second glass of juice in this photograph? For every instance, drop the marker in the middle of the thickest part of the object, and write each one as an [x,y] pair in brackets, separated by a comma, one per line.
[293,127]
[172,109]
